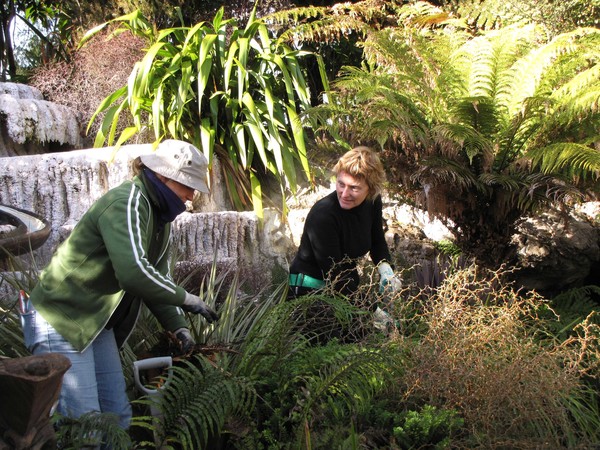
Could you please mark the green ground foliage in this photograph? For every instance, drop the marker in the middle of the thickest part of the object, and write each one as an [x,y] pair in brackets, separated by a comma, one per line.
[468,363]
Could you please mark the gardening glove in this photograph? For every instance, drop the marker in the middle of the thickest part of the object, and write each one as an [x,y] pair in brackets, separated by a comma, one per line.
[382,320]
[388,281]
[186,339]
[196,305]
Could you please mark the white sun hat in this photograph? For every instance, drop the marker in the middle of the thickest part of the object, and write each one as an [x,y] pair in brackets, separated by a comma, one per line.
[180,161]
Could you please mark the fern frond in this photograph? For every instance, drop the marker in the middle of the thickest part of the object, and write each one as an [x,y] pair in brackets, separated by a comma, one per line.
[195,404]
[295,16]
[572,159]
[389,115]
[422,14]
[486,59]
[483,15]
[331,24]
[349,381]
[574,305]
[90,430]
[327,30]
[286,331]
[531,70]
[447,172]
[540,189]
[508,183]
[584,104]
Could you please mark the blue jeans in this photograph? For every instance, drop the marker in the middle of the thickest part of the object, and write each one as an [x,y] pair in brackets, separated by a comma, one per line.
[95,381]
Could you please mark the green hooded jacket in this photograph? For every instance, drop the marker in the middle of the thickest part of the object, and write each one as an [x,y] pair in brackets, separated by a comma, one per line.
[116,256]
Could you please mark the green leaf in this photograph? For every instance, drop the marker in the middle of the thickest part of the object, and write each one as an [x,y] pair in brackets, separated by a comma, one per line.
[205,61]
[254,124]
[106,103]
[257,197]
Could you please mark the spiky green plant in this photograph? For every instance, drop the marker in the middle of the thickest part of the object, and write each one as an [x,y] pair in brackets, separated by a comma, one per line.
[11,333]
[234,92]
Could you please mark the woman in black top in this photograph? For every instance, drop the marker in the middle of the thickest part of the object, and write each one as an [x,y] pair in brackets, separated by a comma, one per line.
[342,227]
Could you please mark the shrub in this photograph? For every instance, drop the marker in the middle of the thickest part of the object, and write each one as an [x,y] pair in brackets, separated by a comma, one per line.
[428,428]
[94,71]
[486,352]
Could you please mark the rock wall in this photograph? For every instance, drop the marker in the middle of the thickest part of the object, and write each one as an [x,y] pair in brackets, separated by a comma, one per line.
[556,252]
[61,187]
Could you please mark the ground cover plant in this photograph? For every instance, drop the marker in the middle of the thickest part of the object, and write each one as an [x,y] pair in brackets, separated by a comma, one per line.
[488,352]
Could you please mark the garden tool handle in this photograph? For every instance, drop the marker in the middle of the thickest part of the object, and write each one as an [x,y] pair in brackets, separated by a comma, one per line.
[148,364]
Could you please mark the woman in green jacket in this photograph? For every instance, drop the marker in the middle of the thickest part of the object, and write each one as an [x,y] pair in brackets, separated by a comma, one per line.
[117,257]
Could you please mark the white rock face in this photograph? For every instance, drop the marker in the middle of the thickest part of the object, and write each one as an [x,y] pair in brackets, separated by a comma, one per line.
[27,118]
[62,186]
[403,214]
[23,91]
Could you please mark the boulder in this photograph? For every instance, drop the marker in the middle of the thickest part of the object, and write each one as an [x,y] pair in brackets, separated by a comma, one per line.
[556,252]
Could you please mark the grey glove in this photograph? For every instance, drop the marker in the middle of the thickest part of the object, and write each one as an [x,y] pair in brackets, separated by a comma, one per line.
[195,305]
[186,339]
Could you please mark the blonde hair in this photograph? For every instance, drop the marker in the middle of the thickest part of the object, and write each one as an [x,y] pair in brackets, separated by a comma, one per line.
[363,163]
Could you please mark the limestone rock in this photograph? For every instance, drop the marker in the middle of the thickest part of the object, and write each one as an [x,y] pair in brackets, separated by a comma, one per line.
[21,91]
[62,186]
[29,123]
[554,252]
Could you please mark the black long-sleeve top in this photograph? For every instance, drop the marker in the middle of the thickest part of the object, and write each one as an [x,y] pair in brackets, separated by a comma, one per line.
[332,235]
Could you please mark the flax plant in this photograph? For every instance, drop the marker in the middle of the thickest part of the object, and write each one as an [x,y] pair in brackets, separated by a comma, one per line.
[234,92]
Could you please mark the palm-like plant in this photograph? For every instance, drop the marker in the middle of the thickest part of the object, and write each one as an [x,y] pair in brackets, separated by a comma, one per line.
[484,129]
[233,92]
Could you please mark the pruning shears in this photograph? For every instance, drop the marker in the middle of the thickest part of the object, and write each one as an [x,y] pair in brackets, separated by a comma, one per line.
[24,303]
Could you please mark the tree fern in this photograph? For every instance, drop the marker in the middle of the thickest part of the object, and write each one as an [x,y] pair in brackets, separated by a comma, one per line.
[494,105]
